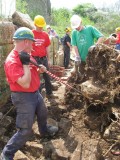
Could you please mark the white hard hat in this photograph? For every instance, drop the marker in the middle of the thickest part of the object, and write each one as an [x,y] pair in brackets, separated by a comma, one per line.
[48,26]
[75,21]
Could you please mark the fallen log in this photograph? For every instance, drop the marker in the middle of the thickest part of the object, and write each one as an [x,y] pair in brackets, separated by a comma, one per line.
[22,20]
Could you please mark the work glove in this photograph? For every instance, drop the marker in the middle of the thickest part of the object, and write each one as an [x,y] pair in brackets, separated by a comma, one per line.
[24,57]
[77,60]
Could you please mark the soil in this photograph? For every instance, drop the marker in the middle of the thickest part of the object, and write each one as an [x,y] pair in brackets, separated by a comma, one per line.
[89,124]
[85,124]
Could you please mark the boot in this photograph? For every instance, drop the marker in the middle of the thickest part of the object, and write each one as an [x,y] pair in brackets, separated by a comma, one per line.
[51,131]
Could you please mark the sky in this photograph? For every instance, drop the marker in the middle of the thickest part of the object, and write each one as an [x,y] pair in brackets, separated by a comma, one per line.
[72,3]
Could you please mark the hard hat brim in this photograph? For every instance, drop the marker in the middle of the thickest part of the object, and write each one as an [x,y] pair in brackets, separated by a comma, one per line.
[75,26]
[24,39]
[40,25]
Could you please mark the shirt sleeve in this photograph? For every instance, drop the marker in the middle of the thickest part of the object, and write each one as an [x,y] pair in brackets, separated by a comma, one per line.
[14,72]
[68,39]
[96,33]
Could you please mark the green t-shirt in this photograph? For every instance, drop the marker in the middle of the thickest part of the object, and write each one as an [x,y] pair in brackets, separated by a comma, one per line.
[84,39]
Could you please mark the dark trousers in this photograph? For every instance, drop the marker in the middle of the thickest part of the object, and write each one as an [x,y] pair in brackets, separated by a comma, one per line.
[27,105]
[66,56]
[48,85]
[117,46]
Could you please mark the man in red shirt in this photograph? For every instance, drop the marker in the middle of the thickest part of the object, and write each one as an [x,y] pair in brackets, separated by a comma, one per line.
[41,50]
[24,82]
[116,39]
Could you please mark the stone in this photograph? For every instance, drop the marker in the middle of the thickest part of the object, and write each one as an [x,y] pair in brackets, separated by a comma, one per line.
[65,125]
[91,149]
[20,156]
[56,150]
[35,149]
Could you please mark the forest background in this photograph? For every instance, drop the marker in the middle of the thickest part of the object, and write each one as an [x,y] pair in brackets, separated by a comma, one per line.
[105,19]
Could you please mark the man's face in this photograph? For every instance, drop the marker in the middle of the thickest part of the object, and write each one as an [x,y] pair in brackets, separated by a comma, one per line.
[28,45]
[79,28]
[25,45]
[48,29]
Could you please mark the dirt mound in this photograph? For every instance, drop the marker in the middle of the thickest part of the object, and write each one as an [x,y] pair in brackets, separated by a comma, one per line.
[101,82]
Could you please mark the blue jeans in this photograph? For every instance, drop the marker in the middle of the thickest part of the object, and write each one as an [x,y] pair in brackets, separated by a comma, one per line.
[48,85]
[117,46]
[27,105]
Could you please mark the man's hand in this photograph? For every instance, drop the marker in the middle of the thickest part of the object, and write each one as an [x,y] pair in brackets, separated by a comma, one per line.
[42,69]
[77,60]
[24,57]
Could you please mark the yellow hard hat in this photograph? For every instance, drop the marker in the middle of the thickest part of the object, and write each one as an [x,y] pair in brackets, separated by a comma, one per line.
[39,21]
[117,29]
[67,29]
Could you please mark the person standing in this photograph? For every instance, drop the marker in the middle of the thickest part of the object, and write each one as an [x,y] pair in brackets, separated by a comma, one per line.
[54,47]
[51,32]
[116,39]
[82,39]
[24,82]
[67,47]
[41,50]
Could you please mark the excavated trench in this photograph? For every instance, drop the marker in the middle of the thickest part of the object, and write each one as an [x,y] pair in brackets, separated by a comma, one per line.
[89,121]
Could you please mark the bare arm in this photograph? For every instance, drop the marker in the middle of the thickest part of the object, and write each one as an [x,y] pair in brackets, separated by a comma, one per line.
[100,40]
[25,80]
[68,43]
[76,51]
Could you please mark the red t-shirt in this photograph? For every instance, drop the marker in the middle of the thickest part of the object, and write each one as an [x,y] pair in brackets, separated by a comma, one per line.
[41,42]
[14,70]
[118,39]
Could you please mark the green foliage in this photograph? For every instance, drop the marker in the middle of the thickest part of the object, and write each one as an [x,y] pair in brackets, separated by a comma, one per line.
[85,10]
[109,23]
[106,20]
[27,7]
[60,19]
[21,6]
[87,21]
[98,16]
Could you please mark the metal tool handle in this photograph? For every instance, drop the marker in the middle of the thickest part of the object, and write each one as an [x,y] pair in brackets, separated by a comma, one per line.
[55,77]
